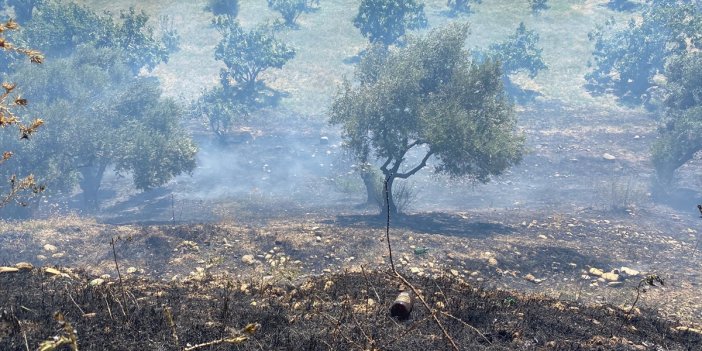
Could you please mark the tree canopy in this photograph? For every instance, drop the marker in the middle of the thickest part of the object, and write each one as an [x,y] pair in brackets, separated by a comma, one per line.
[626,59]
[101,116]
[57,28]
[248,53]
[430,99]
[386,21]
[681,130]
[519,52]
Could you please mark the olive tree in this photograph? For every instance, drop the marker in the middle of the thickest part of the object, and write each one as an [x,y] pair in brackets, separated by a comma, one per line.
[57,28]
[519,52]
[461,6]
[681,129]
[386,21]
[289,9]
[627,58]
[248,53]
[429,99]
[102,118]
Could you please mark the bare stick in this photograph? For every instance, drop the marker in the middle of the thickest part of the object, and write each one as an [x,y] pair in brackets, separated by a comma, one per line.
[121,285]
[249,329]
[169,318]
[387,222]
[369,284]
[74,301]
[109,310]
[431,310]
[26,343]
[404,280]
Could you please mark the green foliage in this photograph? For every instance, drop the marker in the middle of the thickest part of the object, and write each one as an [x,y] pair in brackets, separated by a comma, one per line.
[626,59]
[289,9]
[136,39]
[681,130]
[101,116]
[58,28]
[223,7]
[248,53]
[169,34]
[519,52]
[223,108]
[430,99]
[538,5]
[461,6]
[385,21]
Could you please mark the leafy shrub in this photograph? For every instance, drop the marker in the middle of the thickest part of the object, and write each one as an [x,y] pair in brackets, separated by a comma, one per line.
[627,59]
[385,21]
[289,9]
[248,53]
[223,7]
[538,5]
[461,6]
[519,52]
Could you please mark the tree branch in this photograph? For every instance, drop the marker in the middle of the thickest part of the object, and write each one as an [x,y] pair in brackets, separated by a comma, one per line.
[415,169]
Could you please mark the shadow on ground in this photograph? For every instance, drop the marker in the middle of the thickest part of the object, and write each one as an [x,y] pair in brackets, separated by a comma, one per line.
[431,223]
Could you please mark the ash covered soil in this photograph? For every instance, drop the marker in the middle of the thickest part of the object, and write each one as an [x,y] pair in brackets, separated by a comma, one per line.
[548,256]
[318,283]
[333,312]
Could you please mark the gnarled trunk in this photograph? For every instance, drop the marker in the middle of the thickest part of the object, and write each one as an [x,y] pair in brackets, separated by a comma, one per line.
[91,178]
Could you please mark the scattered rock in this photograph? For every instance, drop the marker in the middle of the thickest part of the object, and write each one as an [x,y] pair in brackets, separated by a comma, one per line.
[492,261]
[596,272]
[58,255]
[541,236]
[8,269]
[24,265]
[608,157]
[97,282]
[689,330]
[52,271]
[248,259]
[415,270]
[610,276]
[615,284]
[328,285]
[454,272]
[530,277]
[50,248]
[630,272]
[318,238]
[131,270]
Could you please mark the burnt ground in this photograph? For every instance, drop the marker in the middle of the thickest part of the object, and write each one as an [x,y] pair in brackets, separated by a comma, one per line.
[335,312]
[545,231]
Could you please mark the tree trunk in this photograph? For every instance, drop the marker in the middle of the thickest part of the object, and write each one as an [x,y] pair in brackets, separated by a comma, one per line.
[90,185]
[368,178]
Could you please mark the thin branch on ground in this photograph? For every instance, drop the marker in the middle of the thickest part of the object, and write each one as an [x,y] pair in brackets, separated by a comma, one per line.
[74,301]
[387,223]
[404,280]
[119,275]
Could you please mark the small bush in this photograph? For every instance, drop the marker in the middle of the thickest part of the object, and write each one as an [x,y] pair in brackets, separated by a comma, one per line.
[223,7]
